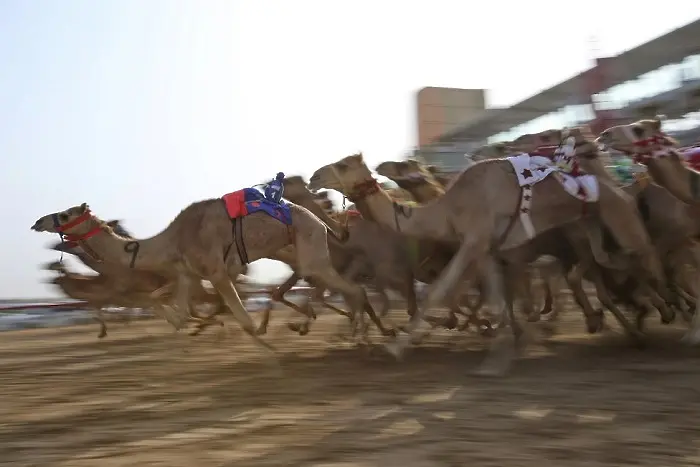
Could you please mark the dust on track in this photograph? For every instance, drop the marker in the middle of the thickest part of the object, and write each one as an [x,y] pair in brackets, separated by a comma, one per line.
[144,396]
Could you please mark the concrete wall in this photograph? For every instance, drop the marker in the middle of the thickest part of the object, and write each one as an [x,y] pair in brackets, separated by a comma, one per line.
[439,110]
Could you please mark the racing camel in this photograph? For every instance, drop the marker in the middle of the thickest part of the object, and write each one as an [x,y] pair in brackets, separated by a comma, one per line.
[115,285]
[459,215]
[213,240]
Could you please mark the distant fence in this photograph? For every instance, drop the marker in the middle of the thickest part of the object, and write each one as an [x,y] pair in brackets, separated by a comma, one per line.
[77,305]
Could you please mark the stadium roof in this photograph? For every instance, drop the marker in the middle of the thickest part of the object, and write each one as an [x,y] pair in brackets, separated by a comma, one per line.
[670,48]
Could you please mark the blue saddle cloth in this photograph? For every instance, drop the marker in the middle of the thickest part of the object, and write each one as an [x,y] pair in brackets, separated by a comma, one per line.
[249,200]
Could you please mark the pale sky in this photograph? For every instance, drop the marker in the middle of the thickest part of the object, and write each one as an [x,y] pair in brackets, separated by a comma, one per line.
[142,107]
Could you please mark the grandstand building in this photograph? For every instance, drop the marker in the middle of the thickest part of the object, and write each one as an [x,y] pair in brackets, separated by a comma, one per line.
[661,76]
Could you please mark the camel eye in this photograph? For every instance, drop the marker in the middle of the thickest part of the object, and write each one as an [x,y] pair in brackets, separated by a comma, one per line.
[638,131]
[63,216]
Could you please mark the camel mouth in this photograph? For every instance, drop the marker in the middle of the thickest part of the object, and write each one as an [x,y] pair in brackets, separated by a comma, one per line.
[37,227]
[63,247]
[54,266]
[315,184]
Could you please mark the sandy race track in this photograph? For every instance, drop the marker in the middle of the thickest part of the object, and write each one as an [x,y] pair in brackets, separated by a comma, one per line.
[145,396]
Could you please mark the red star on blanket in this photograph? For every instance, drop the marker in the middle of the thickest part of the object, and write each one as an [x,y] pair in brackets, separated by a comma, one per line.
[581,192]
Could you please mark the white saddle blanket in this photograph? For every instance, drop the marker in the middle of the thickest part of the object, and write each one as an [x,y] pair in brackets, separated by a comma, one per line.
[533,169]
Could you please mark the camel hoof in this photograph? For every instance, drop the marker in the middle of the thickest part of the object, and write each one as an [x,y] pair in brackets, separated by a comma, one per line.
[102,335]
[533,318]
[593,327]
[398,347]
[451,323]
[595,323]
[301,328]
[668,317]
[432,320]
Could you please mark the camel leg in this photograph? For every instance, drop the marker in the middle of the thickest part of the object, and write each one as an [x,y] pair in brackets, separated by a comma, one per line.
[551,278]
[97,316]
[548,305]
[209,320]
[228,292]
[692,337]
[594,318]
[604,298]
[667,315]
[278,296]
[619,214]
[447,281]
[503,349]
[474,307]
[315,262]
[523,284]
[473,317]
[385,303]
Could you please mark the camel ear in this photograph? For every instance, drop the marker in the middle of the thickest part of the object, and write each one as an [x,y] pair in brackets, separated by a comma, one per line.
[657,121]
[84,207]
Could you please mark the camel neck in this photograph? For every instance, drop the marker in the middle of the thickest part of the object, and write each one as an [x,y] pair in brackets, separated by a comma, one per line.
[151,254]
[425,192]
[429,221]
[683,182]
[309,203]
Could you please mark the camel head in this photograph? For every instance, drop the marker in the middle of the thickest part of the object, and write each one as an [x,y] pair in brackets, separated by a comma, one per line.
[542,143]
[58,222]
[638,139]
[348,175]
[295,188]
[443,179]
[579,140]
[57,266]
[407,170]
[296,191]
[493,151]
[575,148]
[69,247]
[646,143]
[324,202]
[411,175]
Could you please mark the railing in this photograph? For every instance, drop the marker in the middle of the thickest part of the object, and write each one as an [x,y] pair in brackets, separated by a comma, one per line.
[70,306]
